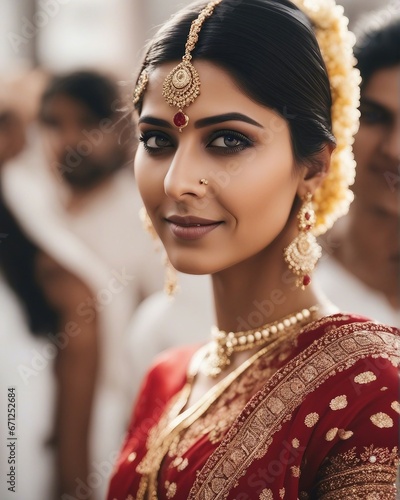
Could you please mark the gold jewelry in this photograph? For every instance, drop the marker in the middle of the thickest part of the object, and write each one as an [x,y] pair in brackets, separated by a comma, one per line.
[160,441]
[303,252]
[140,86]
[147,224]
[224,344]
[182,85]
[204,181]
[332,199]
[170,280]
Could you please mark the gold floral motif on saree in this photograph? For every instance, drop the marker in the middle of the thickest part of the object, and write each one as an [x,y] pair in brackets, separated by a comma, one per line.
[331,434]
[382,420]
[171,489]
[343,434]
[396,406]
[272,406]
[365,378]
[348,475]
[338,403]
[266,495]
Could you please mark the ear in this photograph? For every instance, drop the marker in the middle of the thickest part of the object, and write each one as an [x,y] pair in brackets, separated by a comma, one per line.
[314,175]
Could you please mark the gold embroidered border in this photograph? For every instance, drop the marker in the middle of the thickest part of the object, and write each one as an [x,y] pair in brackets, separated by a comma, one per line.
[251,436]
[363,492]
[384,476]
[350,472]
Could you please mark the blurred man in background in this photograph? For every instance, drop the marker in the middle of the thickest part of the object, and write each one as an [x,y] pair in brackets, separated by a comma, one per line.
[363,272]
[93,263]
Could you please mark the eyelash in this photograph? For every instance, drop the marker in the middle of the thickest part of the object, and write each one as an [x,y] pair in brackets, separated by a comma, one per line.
[373,116]
[245,142]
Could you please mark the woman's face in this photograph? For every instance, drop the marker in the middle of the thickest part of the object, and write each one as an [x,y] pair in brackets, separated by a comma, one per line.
[243,150]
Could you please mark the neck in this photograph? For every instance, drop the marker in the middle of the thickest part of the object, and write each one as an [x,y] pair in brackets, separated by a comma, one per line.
[76,198]
[258,291]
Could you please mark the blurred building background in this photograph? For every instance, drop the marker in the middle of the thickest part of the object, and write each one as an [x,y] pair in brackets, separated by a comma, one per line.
[61,35]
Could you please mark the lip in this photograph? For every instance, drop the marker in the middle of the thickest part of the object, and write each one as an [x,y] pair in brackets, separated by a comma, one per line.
[190,227]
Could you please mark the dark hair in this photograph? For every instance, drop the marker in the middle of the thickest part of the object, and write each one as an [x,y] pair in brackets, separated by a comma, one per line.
[270,49]
[378,45]
[17,263]
[98,92]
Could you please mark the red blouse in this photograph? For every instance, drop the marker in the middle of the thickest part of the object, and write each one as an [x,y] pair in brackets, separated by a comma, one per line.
[318,420]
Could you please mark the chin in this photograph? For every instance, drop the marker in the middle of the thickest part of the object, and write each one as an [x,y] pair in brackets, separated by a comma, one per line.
[191,267]
[192,264]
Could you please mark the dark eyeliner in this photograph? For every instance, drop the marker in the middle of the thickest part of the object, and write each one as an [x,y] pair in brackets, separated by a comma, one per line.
[246,142]
[145,136]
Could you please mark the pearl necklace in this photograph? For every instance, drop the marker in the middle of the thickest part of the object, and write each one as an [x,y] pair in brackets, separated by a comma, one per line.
[224,344]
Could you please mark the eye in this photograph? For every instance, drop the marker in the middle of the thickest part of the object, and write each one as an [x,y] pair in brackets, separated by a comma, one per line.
[372,115]
[229,141]
[51,122]
[155,142]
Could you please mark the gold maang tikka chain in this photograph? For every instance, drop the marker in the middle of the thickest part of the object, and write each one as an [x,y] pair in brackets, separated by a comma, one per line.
[224,344]
[182,85]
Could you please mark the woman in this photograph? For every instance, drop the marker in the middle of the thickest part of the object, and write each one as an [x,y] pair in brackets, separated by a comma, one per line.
[290,398]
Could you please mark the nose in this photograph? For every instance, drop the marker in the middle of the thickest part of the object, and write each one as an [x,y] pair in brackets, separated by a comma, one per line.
[185,176]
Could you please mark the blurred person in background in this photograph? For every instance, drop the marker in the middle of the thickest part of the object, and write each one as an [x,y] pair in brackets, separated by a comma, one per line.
[38,301]
[362,272]
[86,216]
[87,140]
[84,132]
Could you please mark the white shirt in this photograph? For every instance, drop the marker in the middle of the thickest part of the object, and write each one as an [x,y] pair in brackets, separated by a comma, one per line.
[352,295]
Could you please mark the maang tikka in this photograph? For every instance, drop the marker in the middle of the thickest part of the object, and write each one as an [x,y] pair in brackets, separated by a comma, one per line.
[182,86]
[304,251]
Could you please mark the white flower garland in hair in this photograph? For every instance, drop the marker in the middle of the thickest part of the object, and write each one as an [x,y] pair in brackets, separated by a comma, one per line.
[333,198]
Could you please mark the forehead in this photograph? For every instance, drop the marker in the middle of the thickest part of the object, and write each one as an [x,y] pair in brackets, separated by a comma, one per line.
[384,88]
[219,93]
[66,110]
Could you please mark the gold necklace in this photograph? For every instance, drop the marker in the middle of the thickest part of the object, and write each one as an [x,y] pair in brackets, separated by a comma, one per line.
[224,344]
[151,462]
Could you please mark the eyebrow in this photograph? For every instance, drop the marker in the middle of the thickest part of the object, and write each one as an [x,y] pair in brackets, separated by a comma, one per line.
[203,122]
[227,117]
[370,102]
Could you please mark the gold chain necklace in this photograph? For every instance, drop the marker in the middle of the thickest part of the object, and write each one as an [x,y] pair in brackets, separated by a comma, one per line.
[151,462]
[224,344]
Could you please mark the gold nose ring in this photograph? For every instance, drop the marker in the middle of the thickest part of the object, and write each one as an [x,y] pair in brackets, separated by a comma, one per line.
[204,181]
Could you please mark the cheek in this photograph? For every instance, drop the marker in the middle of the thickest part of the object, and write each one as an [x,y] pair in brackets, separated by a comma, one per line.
[150,179]
[366,142]
[260,199]
[55,150]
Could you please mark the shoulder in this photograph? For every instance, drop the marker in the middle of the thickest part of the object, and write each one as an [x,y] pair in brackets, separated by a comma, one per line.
[175,359]
[352,333]
[350,351]
[168,373]
[356,358]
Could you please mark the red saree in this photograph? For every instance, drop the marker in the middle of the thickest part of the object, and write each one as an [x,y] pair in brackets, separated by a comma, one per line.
[316,420]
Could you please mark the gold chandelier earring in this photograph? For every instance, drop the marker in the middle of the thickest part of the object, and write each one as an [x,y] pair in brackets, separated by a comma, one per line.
[303,253]
[170,280]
